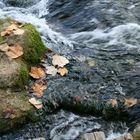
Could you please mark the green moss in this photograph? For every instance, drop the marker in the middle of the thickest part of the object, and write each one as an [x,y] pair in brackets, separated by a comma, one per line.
[34,47]
[2,39]
[136,135]
[23,76]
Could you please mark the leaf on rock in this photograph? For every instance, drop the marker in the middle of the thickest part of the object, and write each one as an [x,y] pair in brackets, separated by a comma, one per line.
[51,70]
[59,61]
[15,51]
[4,47]
[62,71]
[12,27]
[114,102]
[18,32]
[130,102]
[37,73]
[9,113]
[5,33]
[77,99]
[38,89]
[36,103]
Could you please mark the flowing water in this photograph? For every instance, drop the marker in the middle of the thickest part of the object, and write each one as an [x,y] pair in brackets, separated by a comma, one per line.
[107,31]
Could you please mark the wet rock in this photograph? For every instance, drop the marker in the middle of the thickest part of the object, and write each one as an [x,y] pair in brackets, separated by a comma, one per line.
[125,137]
[93,136]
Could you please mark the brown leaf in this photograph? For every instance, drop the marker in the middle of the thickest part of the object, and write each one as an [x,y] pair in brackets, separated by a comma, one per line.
[36,103]
[38,89]
[15,51]
[59,61]
[62,71]
[9,113]
[37,73]
[77,99]
[49,50]
[4,47]
[18,32]
[51,70]
[130,102]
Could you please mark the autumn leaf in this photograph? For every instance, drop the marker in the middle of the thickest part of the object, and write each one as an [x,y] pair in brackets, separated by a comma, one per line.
[36,103]
[51,70]
[59,61]
[18,32]
[37,73]
[12,27]
[4,47]
[114,102]
[62,71]
[9,113]
[38,89]
[77,99]
[15,51]
[130,102]
[5,33]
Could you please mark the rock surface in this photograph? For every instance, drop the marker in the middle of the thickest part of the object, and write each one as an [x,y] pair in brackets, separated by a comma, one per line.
[93,136]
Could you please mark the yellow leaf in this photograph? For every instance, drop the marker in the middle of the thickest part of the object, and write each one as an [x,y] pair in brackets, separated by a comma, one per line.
[37,73]
[18,32]
[130,102]
[62,71]
[51,70]
[15,51]
[59,61]
[36,103]
[4,47]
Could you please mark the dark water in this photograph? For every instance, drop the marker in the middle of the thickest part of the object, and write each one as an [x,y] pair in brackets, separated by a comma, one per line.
[102,40]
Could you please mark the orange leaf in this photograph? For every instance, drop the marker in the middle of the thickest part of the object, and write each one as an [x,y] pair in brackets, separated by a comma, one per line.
[37,73]
[59,61]
[130,102]
[4,47]
[15,51]
[62,71]
[36,103]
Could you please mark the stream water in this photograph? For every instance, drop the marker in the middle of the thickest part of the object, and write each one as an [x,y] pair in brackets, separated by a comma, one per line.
[106,31]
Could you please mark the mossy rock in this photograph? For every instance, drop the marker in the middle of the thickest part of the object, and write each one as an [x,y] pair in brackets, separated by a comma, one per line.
[18,102]
[136,135]
[33,47]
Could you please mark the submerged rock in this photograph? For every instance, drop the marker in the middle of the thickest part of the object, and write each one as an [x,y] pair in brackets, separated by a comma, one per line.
[14,75]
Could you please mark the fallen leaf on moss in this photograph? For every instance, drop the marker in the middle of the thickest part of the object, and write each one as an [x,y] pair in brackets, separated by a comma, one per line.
[18,32]
[130,102]
[62,71]
[36,103]
[38,89]
[51,70]
[15,51]
[12,27]
[37,73]
[9,113]
[59,61]
[4,47]
[5,33]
